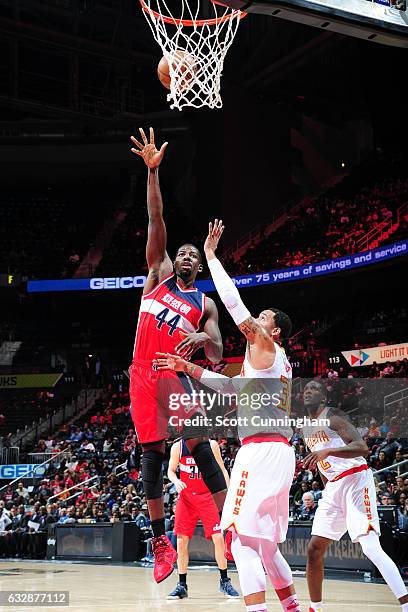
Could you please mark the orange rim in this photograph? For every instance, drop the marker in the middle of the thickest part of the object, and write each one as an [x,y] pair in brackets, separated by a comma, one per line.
[188,22]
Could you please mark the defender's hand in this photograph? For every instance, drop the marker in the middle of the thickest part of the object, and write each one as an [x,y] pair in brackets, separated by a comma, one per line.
[151,156]
[214,234]
[167,361]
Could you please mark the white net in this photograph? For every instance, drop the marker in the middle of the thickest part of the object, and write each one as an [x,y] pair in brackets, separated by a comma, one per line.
[194,48]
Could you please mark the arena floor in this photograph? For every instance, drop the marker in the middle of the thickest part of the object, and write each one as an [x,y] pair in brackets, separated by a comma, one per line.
[110,588]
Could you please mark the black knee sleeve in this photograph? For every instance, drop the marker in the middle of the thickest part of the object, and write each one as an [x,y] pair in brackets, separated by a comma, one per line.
[209,468]
[152,474]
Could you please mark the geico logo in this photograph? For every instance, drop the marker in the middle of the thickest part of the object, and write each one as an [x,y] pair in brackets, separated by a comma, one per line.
[124,282]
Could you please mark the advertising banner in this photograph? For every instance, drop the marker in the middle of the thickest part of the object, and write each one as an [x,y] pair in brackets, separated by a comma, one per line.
[378,354]
[273,277]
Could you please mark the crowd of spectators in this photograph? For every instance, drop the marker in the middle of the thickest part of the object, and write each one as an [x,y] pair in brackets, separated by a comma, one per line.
[329,226]
[97,478]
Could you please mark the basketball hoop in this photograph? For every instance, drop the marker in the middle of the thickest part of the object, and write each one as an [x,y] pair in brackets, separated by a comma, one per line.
[203,42]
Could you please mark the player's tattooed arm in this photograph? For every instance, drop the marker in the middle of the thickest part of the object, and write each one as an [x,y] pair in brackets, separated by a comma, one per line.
[254,332]
[158,261]
[214,380]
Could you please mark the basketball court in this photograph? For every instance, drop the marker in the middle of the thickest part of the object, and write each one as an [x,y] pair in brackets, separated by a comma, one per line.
[125,587]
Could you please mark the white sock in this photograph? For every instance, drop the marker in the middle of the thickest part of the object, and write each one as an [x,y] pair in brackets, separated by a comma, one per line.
[291,603]
[261,607]
[317,606]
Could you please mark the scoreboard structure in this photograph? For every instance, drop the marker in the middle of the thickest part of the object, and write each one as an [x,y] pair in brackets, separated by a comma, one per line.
[382,21]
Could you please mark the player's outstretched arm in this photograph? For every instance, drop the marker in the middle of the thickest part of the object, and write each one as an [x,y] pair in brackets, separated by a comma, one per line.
[228,292]
[214,380]
[158,262]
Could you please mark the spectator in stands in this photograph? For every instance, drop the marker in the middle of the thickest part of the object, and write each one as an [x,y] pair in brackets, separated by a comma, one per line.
[385,499]
[401,498]
[389,447]
[307,510]
[76,435]
[399,457]
[63,516]
[72,518]
[316,490]
[402,516]
[86,446]
[298,497]
[142,520]
[21,491]
[107,445]
[5,521]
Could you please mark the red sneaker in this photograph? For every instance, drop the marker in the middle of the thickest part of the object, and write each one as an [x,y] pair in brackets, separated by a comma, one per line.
[164,558]
[227,546]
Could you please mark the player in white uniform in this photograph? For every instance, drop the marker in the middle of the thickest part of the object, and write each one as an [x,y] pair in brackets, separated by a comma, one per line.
[349,498]
[257,505]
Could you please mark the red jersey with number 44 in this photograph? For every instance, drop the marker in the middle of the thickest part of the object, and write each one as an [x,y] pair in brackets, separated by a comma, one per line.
[164,312]
[189,473]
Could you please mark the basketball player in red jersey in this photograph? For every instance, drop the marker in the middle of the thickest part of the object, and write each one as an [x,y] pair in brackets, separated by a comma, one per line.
[174,317]
[196,503]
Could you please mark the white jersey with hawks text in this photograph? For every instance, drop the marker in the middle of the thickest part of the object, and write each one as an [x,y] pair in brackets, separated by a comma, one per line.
[322,437]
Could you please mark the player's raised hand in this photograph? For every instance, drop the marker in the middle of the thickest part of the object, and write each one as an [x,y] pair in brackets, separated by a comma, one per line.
[167,361]
[215,231]
[151,156]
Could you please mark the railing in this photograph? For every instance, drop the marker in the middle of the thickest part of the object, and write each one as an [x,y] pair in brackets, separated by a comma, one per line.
[377,232]
[402,211]
[52,421]
[45,425]
[392,468]
[394,398]
[33,470]
[10,455]
[256,232]
[41,457]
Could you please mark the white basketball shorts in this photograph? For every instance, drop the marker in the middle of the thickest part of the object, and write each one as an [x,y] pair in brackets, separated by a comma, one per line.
[348,504]
[257,502]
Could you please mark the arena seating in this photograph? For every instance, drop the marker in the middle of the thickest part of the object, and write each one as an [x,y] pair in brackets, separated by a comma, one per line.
[51,230]
[337,222]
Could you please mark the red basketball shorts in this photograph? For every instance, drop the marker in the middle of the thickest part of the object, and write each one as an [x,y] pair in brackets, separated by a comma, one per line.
[192,507]
[154,402]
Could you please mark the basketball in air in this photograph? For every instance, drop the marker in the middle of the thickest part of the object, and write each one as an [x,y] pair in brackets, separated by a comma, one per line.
[184,65]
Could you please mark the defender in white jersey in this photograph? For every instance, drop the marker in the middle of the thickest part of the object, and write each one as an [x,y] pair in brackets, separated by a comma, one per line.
[349,498]
[256,509]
